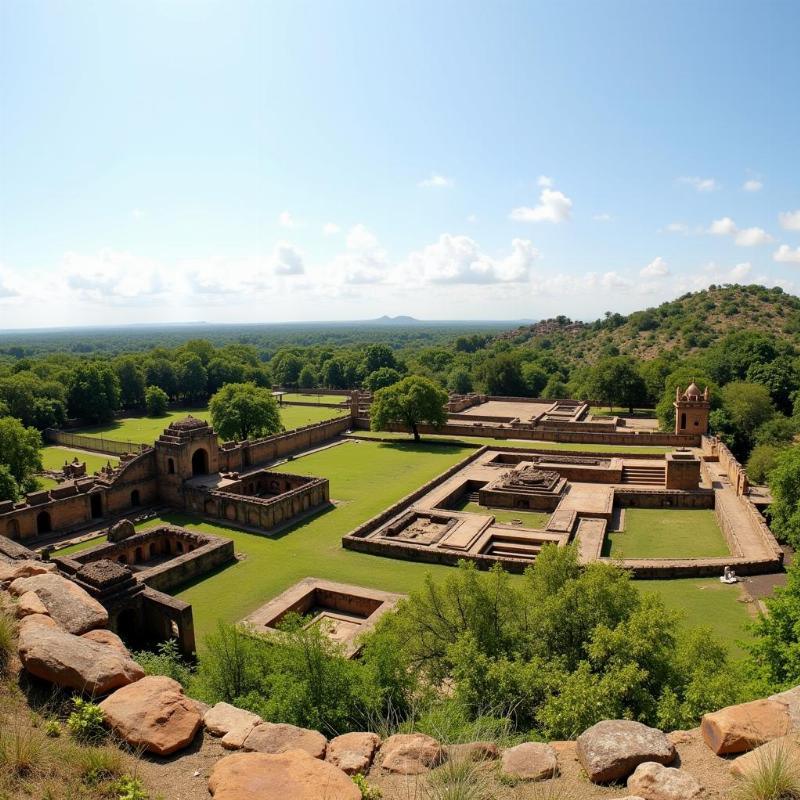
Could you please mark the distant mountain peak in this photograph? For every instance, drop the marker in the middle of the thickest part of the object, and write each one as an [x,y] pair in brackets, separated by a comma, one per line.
[399,320]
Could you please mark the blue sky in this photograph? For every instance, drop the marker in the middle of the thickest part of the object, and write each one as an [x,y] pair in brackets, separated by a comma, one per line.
[274,161]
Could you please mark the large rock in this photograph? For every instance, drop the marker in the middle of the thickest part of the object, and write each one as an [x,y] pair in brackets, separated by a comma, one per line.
[69,605]
[474,752]
[612,749]
[785,747]
[107,637]
[737,729]
[293,775]
[791,699]
[532,761]
[29,603]
[411,753]
[153,714]
[23,569]
[231,723]
[656,782]
[270,737]
[353,752]
[121,530]
[50,653]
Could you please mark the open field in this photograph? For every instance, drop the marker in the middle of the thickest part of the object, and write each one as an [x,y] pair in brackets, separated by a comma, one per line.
[53,457]
[145,430]
[667,533]
[478,441]
[299,397]
[530,519]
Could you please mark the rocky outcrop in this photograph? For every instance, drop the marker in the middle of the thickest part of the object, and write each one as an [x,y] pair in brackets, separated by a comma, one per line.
[70,661]
[23,569]
[107,637]
[612,749]
[411,753]
[29,603]
[69,605]
[353,752]
[293,775]
[532,761]
[777,749]
[653,781]
[473,752]
[737,729]
[231,723]
[121,530]
[154,714]
[270,737]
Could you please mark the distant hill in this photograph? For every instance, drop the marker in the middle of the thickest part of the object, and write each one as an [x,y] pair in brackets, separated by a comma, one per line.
[683,326]
[385,320]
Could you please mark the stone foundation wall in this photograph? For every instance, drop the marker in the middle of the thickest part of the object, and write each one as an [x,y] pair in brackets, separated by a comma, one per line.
[666,498]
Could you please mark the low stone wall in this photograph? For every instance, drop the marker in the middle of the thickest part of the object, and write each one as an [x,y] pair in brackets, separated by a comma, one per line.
[664,498]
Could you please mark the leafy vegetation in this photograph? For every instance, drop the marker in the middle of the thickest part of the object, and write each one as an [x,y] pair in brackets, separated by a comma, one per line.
[410,402]
[241,410]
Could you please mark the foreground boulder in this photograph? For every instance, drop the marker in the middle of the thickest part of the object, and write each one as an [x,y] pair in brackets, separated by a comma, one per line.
[353,752]
[29,603]
[231,723]
[785,748]
[107,637]
[23,569]
[52,654]
[612,749]
[791,699]
[270,737]
[474,752]
[532,761]
[655,782]
[737,729]
[154,714]
[294,775]
[411,753]
[70,606]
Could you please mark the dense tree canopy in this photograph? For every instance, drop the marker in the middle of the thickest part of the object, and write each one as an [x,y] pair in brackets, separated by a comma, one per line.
[243,410]
[94,392]
[409,402]
[156,401]
[20,453]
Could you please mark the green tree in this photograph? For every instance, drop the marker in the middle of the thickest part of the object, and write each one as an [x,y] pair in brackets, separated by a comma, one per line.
[34,400]
[535,378]
[307,378]
[20,451]
[243,410]
[460,381]
[9,488]
[780,378]
[94,392]
[411,401]
[222,370]
[784,483]
[377,356]
[555,389]
[155,399]
[748,406]
[131,382]
[333,374]
[381,378]
[160,372]
[616,380]
[192,377]
[502,376]
[286,368]
[763,459]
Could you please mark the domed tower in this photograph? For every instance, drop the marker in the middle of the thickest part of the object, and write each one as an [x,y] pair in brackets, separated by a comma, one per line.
[692,408]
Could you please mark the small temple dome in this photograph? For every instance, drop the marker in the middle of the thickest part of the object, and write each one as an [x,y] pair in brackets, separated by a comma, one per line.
[693,391]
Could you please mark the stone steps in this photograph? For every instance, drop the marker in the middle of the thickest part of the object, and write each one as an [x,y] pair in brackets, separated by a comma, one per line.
[643,475]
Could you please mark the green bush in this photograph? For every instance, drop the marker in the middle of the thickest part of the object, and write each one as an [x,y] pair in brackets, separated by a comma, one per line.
[367,792]
[166,660]
[85,722]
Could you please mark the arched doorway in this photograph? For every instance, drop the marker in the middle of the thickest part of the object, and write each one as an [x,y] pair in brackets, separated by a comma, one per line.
[43,523]
[138,556]
[96,501]
[200,462]
[13,529]
[136,499]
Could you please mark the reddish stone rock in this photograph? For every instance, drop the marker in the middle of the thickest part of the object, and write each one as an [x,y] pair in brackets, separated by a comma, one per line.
[353,752]
[737,729]
[473,751]
[656,782]
[787,747]
[411,753]
[612,749]
[293,775]
[231,723]
[70,606]
[107,637]
[269,737]
[29,603]
[153,713]
[532,761]
[24,569]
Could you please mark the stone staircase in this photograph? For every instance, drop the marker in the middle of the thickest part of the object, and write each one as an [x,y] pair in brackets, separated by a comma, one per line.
[644,475]
[474,497]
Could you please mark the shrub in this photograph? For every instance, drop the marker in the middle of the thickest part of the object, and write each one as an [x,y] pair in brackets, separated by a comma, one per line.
[85,722]
[97,764]
[367,792]
[167,660]
[22,750]
[155,401]
[776,776]
[128,788]
[52,728]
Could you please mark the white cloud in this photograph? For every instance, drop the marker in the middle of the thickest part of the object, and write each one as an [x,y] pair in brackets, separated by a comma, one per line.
[700,184]
[286,220]
[460,260]
[7,290]
[113,276]
[752,185]
[657,268]
[330,229]
[436,181]
[363,262]
[740,271]
[604,217]
[786,255]
[742,237]
[790,220]
[554,206]
[287,260]
[677,227]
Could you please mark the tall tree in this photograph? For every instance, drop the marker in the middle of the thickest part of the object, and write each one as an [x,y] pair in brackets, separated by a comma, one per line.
[131,382]
[94,392]
[241,410]
[20,451]
[411,401]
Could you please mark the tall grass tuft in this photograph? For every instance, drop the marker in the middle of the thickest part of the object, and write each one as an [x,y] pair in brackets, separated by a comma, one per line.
[23,749]
[776,775]
[6,640]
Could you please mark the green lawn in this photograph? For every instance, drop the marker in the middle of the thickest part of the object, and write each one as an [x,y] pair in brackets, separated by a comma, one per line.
[667,533]
[75,548]
[146,430]
[530,519]
[299,397]
[706,601]
[53,457]
[478,441]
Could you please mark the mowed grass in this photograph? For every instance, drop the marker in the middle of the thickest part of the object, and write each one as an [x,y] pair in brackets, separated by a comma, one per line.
[478,441]
[530,519]
[299,397]
[53,457]
[667,533]
[76,548]
[145,430]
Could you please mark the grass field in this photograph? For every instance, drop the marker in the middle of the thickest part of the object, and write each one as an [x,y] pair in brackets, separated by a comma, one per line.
[53,457]
[477,441]
[145,430]
[530,519]
[667,533]
[299,397]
